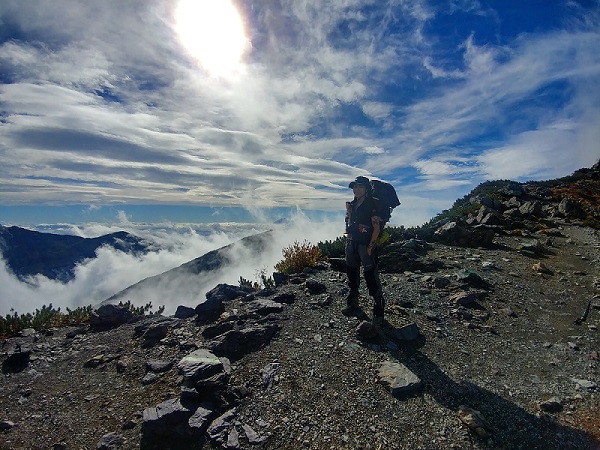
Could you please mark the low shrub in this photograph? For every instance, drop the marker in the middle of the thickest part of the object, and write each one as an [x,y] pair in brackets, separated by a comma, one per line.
[298,257]
[49,317]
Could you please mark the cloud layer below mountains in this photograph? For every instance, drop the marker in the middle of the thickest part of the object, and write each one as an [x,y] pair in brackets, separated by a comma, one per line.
[112,271]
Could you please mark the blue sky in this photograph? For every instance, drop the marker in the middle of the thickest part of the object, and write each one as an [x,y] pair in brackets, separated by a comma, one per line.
[155,110]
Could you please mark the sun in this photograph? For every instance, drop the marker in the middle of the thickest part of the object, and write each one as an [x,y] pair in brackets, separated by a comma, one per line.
[212,32]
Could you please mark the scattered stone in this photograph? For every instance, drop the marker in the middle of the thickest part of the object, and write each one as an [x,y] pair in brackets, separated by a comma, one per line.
[398,378]
[200,365]
[464,298]
[269,374]
[200,420]
[6,425]
[219,426]
[475,422]
[150,378]
[367,330]
[551,405]
[251,435]
[408,332]
[218,329]
[584,384]
[17,359]
[110,441]
[453,233]
[541,268]
[508,312]
[264,307]
[233,439]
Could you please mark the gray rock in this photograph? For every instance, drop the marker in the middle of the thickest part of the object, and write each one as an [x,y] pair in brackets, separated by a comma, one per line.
[150,378]
[156,331]
[158,419]
[533,208]
[110,441]
[571,208]
[269,372]
[184,312]
[315,287]
[200,420]
[159,366]
[217,329]
[398,378]
[226,292]
[551,405]
[251,435]
[220,425]
[454,234]
[264,307]
[109,316]
[441,282]
[367,330]
[6,425]
[233,439]
[464,298]
[17,359]
[585,384]
[199,365]
[472,279]
[285,297]
[408,332]
[236,343]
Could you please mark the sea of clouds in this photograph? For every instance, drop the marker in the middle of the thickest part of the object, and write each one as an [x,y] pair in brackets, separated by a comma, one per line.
[175,244]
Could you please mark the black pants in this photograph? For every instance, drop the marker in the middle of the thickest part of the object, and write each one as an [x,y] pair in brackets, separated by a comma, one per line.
[356,254]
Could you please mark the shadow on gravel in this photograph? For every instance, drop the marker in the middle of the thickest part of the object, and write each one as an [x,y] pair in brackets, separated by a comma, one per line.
[512,427]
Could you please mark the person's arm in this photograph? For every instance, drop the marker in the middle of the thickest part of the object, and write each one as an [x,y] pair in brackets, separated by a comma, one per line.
[376,222]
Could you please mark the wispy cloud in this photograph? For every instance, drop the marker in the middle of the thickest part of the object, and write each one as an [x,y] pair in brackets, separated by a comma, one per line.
[101,105]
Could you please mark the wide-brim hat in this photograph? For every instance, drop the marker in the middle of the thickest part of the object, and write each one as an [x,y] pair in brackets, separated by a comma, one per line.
[362,181]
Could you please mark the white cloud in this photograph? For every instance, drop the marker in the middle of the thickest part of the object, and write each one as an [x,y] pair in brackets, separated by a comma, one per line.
[112,271]
[91,121]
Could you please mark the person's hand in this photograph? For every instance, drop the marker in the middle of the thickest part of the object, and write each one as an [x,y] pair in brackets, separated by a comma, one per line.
[370,248]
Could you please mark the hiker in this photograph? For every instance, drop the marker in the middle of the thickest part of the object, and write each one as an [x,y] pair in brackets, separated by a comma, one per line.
[363,225]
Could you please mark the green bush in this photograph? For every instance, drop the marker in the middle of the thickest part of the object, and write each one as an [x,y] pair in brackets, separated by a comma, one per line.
[298,257]
[263,281]
[333,249]
[50,317]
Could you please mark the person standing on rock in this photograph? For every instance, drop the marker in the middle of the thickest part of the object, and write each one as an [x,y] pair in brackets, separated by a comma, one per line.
[363,225]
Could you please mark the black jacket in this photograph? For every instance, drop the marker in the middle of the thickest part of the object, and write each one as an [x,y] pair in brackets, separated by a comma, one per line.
[359,226]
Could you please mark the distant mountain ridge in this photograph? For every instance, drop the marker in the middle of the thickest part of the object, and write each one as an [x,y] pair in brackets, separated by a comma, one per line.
[184,281]
[28,253]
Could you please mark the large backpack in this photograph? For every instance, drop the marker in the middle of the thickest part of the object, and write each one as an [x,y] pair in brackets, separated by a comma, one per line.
[387,197]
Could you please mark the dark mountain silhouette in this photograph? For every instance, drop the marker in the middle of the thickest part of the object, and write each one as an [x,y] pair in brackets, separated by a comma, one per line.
[28,253]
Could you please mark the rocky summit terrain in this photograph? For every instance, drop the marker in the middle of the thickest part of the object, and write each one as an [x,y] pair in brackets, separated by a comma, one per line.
[491,341]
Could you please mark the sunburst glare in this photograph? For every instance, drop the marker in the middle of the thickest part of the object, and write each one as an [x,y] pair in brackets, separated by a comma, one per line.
[213,33]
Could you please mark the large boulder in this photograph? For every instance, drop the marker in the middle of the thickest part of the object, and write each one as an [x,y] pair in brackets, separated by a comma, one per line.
[237,343]
[213,306]
[110,316]
[453,233]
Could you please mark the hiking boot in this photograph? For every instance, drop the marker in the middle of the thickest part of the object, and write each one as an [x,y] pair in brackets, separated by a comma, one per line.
[352,305]
[378,321]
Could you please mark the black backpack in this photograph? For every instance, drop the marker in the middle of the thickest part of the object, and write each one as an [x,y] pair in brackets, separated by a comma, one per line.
[386,196]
